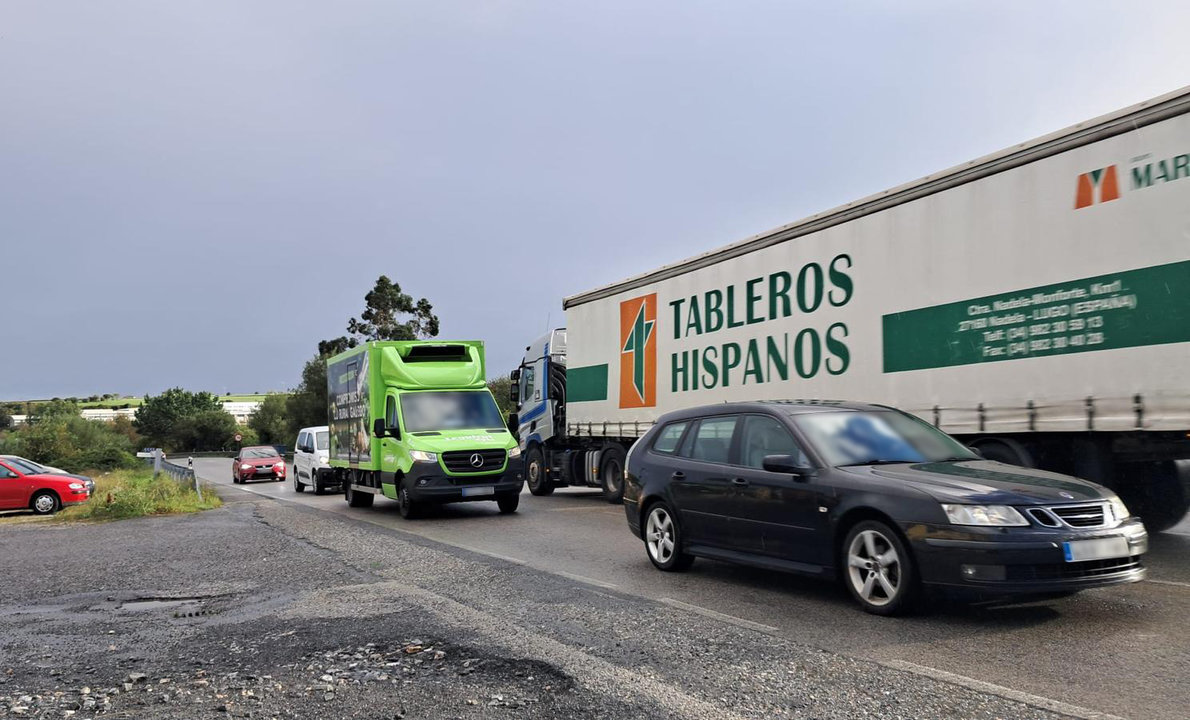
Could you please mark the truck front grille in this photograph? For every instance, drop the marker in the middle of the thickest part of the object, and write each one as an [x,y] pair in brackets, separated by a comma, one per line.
[473,461]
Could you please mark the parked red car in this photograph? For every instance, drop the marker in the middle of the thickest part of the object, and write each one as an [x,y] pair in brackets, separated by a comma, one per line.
[260,461]
[43,493]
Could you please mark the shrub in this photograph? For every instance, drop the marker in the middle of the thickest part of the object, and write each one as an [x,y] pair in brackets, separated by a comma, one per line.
[135,493]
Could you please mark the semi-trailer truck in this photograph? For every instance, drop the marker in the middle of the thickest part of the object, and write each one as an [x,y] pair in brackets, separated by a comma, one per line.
[415,422]
[1035,303]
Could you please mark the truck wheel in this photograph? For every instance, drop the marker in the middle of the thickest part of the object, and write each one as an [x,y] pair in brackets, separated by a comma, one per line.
[508,503]
[45,503]
[358,499]
[409,509]
[319,488]
[535,477]
[1159,492]
[611,474]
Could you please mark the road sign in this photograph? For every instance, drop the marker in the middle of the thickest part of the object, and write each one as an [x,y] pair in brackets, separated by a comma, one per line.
[239,437]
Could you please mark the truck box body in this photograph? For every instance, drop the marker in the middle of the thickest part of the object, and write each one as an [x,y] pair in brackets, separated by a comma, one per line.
[1042,289]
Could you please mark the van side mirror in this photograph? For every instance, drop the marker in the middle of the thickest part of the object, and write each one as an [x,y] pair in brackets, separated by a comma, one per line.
[378,428]
[786,465]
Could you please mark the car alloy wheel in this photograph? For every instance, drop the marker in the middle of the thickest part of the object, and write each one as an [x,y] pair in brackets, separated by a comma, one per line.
[663,540]
[879,569]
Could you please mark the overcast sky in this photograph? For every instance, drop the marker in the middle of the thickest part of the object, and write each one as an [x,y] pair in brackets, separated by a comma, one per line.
[196,193]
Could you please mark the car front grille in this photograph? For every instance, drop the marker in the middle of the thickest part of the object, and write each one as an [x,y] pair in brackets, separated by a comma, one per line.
[1073,571]
[1090,515]
[473,461]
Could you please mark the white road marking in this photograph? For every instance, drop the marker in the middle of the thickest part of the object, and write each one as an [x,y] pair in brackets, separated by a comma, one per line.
[999,690]
[732,619]
[498,556]
[585,579]
[1169,582]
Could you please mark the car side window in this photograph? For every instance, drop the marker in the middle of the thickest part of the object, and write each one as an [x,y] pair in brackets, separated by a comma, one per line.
[669,437]
[763,435]
[712,439]
[6,473]
[303,438]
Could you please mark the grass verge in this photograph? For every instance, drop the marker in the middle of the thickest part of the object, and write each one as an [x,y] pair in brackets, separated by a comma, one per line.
[124,494]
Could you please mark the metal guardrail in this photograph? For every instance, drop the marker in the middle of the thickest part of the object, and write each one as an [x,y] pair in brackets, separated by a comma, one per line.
[181,473]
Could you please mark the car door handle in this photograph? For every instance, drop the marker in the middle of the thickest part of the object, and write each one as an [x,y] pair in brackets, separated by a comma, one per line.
[739,482]
[679,475]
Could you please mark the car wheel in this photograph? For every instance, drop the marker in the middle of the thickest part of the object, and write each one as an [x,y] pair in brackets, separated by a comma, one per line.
[409,509]
[298,485]
[611,475]
[535,477]
[45,503]
[358,499]
[663,540]
[319,488]
[508,503]
[878,569]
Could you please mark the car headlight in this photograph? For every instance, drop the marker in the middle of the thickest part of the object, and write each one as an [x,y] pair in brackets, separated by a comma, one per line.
[514,453]
[423,456]
[77,486]
[994,515]
[1118,509]
[245,466]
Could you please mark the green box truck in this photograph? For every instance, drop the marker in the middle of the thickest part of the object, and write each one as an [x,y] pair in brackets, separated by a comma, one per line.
[414,421]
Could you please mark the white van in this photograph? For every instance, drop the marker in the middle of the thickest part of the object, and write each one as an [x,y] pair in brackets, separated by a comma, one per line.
[309,460]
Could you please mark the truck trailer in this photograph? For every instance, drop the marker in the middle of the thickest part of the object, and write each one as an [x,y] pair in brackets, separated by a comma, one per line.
[1034,303]
[414,421]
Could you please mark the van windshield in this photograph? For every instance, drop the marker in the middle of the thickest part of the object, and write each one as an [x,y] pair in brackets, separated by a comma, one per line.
[324,440]
[449,410]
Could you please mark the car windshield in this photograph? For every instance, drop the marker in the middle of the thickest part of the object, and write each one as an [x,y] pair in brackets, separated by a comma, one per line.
[259,453]
[26,466]
[878,437]
[452,410]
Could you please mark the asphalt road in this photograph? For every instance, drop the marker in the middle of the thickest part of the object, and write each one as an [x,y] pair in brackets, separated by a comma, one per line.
[1119,651]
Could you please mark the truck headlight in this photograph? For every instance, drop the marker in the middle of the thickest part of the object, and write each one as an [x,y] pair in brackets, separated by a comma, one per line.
[994,515]
[423,456]
[514,453]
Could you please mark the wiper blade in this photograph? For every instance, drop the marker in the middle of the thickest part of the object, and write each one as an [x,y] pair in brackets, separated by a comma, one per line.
[956,459]
[880,462]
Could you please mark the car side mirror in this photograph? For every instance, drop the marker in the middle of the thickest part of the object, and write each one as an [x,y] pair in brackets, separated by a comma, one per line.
[786,465]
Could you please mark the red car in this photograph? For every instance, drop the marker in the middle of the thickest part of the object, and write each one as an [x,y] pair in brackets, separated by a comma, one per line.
[43,493]
[261,461]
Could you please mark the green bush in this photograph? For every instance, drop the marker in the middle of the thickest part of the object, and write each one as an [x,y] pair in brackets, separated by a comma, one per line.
[68,441]
[135,493]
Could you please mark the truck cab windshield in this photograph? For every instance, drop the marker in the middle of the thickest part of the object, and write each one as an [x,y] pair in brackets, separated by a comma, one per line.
[449,410]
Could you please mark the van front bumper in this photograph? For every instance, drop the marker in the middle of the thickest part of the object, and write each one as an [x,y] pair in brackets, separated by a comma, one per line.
[432,485]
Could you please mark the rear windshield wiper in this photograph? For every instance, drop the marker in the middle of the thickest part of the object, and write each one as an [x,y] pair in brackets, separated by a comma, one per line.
[880,462]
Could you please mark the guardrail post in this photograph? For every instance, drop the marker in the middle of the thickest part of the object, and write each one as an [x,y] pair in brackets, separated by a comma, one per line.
[194,477]
[156,463]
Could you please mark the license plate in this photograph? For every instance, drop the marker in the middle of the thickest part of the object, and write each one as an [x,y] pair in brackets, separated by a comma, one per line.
[1097,549]
[474,491]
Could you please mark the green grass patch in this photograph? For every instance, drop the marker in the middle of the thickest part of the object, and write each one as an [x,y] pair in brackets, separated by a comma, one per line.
[124,494]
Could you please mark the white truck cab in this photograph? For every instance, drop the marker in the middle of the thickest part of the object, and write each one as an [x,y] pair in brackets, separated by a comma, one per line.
[310,460]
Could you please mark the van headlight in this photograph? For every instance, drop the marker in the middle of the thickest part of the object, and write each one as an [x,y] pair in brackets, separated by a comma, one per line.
[514,453]
[423,456]
[993,515]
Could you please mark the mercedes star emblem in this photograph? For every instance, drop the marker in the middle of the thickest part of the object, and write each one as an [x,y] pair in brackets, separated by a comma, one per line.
[476,460]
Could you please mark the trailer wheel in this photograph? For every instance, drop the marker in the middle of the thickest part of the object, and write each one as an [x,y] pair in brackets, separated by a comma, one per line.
[1005,450]
[535,477]
[1159,492]
[611,474]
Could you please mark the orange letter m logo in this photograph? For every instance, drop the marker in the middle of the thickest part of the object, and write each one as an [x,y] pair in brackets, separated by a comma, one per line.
[1101,182]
